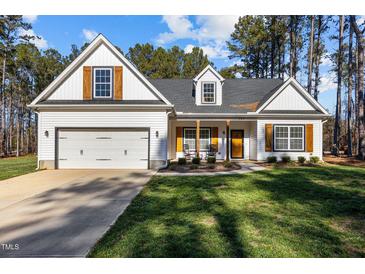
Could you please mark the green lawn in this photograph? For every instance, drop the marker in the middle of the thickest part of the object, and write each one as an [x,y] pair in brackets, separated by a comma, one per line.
[11,167]
[288,212]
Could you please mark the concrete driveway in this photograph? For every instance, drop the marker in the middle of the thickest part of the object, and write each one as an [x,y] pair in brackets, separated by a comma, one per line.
[63,213]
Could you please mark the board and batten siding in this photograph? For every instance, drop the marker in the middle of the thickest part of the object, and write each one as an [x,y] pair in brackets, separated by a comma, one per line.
[133,87]
[317,139]
[49,120]
[289,99]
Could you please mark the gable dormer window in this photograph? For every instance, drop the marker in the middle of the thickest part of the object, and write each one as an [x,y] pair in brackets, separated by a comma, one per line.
[208,92]
[103,82]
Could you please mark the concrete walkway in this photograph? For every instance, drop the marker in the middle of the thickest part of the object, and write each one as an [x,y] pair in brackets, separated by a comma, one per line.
[245,168]
[62,213]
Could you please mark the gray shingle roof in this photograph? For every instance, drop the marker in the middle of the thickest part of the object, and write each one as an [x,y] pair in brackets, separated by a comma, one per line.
[239,95]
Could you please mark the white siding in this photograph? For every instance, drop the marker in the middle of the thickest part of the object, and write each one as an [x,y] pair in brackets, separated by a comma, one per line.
[208,76]
[289,99]
[317,139]
[133,87]
[156,121]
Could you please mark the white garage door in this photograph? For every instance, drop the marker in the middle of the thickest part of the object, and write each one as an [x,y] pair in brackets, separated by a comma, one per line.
[103,149]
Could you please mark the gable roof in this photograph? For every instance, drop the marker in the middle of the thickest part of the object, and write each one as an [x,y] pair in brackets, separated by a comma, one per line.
[291,81]
[239,95]
[209,67]
[100,39]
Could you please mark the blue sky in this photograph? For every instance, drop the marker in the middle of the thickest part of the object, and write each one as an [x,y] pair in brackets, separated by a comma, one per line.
[208,32]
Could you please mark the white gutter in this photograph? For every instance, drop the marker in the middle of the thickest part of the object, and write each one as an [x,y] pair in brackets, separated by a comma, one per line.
[100,106]
[249,115]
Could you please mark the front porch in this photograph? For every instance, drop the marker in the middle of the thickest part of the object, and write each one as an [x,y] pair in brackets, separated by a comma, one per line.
[226,139]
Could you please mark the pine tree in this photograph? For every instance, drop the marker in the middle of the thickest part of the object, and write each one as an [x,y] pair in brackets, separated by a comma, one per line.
[194,62]
[310,55]
[10,26]
[349,95]
[360,86]
[336,136]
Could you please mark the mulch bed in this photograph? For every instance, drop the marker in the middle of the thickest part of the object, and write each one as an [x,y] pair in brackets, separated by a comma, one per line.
[343,160]
[203,167]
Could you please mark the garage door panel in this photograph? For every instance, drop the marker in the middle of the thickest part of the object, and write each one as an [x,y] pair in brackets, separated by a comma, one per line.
[102,149]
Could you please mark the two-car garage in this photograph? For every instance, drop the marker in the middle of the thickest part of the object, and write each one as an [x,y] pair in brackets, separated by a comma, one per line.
[107,148]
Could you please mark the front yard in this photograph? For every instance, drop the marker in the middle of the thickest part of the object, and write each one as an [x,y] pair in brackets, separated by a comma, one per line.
[15,166]
[286,212]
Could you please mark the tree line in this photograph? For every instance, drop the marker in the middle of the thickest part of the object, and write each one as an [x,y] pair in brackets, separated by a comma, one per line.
[260,46]
[275,46]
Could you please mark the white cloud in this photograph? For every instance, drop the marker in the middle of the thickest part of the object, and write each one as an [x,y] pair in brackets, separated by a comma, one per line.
[326,61]
[211,32]
[30,18]
[215,51]
[180,28]
[328,82]
[216,27]
[38,40]
[89,34]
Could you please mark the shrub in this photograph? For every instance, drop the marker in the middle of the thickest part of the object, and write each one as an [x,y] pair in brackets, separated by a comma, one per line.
[271,159]
[301,159]
[211,160]
[285,159]
[181,161]
[227,164]
[314,159]
[194,166]
[196,160]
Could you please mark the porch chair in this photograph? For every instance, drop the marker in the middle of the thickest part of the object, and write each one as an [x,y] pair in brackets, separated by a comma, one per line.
[187,153]
[212,150]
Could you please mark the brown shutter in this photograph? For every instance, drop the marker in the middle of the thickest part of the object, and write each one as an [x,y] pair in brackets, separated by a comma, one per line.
[179,139]
[309,137]
[87,90]
[118,83]
[268,137]
[215,139]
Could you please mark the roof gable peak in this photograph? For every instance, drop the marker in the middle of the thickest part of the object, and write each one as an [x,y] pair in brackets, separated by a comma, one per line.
[94,44]
[209,67]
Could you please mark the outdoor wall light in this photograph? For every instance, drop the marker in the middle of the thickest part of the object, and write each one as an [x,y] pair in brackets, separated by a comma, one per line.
[223,132]
[46,133]
[156,134]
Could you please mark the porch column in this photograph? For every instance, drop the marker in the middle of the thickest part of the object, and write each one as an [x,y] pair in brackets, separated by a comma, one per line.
[197,142]
[227,139]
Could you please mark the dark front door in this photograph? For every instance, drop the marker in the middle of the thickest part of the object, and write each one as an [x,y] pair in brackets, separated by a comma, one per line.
[236,144]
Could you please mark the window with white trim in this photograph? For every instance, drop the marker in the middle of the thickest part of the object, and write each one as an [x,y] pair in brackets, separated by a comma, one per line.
[190,139]
[288,138]
[103,82]
[208,94]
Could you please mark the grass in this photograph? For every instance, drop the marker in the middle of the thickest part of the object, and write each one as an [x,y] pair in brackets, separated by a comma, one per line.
[282,212]
[15,166]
